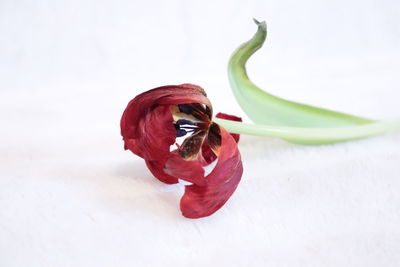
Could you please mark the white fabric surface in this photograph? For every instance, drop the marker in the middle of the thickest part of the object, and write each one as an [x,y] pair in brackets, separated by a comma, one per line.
[71,196]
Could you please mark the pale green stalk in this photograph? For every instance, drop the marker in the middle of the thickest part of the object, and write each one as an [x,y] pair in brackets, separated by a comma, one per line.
[311,136]
[292,121]
[264,108]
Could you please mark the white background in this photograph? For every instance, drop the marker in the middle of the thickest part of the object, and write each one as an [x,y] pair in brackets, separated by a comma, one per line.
[71,196]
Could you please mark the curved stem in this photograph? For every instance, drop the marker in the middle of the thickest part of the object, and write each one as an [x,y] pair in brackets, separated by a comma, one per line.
[264,108]
[311,136]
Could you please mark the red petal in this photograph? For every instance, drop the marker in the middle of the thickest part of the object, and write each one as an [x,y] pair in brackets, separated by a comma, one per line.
[188,170]
[147,122]
[155,134]
[200,201]
[208,154]
[157,169]
[166,95]
[231,118]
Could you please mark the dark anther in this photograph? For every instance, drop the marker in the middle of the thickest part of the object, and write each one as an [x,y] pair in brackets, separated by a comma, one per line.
[185,121]
[183,126]
[180,132]
[185,108]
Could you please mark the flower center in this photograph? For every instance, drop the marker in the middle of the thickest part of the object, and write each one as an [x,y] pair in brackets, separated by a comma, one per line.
[190,118]
[185,126]
[191,123]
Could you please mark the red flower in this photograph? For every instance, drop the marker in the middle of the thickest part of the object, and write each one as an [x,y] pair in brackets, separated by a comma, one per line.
[150,125]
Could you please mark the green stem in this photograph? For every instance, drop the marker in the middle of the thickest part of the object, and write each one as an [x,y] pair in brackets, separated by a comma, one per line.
[264,108]
[311,136]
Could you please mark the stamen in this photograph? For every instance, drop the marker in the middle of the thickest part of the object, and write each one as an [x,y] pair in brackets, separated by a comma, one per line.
[184,126]
[180,132]
[185,121]
[185,108]
[188,127]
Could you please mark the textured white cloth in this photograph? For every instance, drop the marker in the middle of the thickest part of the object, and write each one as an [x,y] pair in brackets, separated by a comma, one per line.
[71,196]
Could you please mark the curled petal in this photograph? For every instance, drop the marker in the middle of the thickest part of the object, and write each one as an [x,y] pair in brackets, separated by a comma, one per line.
[231,118]
[149,126]
[208,155]
[189,170]
[200,201]
[166,95]
[157,168]
[155,134]
[147,122]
